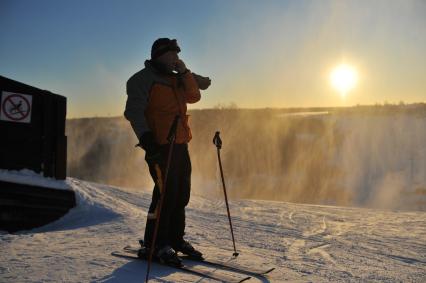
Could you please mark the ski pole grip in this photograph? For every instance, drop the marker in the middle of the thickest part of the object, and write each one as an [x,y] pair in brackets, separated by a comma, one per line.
[217,141]
[172,131]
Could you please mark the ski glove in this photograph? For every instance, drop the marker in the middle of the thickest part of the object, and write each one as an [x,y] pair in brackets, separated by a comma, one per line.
[151,147]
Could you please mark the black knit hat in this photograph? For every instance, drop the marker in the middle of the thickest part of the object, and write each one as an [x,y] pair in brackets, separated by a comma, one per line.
[163,45]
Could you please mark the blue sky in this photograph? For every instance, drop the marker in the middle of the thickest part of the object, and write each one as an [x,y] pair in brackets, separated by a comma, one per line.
[257,53]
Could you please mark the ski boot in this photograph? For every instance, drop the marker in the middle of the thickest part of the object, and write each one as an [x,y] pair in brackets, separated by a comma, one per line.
[167,255]
[143,253]
[164,255]
[187,249]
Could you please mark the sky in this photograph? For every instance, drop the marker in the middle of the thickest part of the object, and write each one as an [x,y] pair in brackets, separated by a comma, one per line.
[257,53]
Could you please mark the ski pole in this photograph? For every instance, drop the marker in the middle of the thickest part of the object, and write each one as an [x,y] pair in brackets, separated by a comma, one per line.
[162,183]
[218,142]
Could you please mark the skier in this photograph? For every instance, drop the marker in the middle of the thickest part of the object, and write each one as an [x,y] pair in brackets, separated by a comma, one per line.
[156,94]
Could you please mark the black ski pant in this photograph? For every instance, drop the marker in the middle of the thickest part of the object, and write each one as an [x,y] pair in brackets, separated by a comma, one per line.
[177,192]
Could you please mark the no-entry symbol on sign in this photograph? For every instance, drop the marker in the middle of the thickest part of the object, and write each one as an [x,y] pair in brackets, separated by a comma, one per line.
[15,107]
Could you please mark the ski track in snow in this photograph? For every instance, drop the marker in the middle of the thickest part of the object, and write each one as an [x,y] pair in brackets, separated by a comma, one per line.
[307,243]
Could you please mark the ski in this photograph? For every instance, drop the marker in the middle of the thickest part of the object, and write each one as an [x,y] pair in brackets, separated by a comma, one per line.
[189,269]
[233,267]
[219,264]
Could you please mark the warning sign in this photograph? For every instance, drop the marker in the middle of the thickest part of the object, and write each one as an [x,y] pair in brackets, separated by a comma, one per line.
[15,107]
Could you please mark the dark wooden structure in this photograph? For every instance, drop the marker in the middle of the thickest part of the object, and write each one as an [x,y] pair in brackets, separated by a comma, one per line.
[41,144]
[32,136]
[28,206]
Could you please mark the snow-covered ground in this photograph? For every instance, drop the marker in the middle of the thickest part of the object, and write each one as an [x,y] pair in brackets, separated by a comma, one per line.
[29,177]
[307,243]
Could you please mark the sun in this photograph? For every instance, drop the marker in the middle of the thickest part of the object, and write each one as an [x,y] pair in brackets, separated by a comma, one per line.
[343,78]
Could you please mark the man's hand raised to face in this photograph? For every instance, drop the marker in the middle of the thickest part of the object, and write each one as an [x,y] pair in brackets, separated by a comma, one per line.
[180,67]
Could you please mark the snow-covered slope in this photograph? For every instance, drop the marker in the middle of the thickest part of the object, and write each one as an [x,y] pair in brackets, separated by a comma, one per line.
[306,243]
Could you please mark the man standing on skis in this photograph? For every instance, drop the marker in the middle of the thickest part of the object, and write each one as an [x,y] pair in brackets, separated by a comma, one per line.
[156,94]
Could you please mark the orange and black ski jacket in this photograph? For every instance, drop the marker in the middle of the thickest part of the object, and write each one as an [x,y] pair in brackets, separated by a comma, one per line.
[154,99]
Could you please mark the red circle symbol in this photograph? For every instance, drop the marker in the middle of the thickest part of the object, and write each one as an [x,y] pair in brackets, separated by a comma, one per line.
[17,109]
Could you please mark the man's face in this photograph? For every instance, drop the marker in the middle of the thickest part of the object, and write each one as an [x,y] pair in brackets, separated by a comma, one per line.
[169,60]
